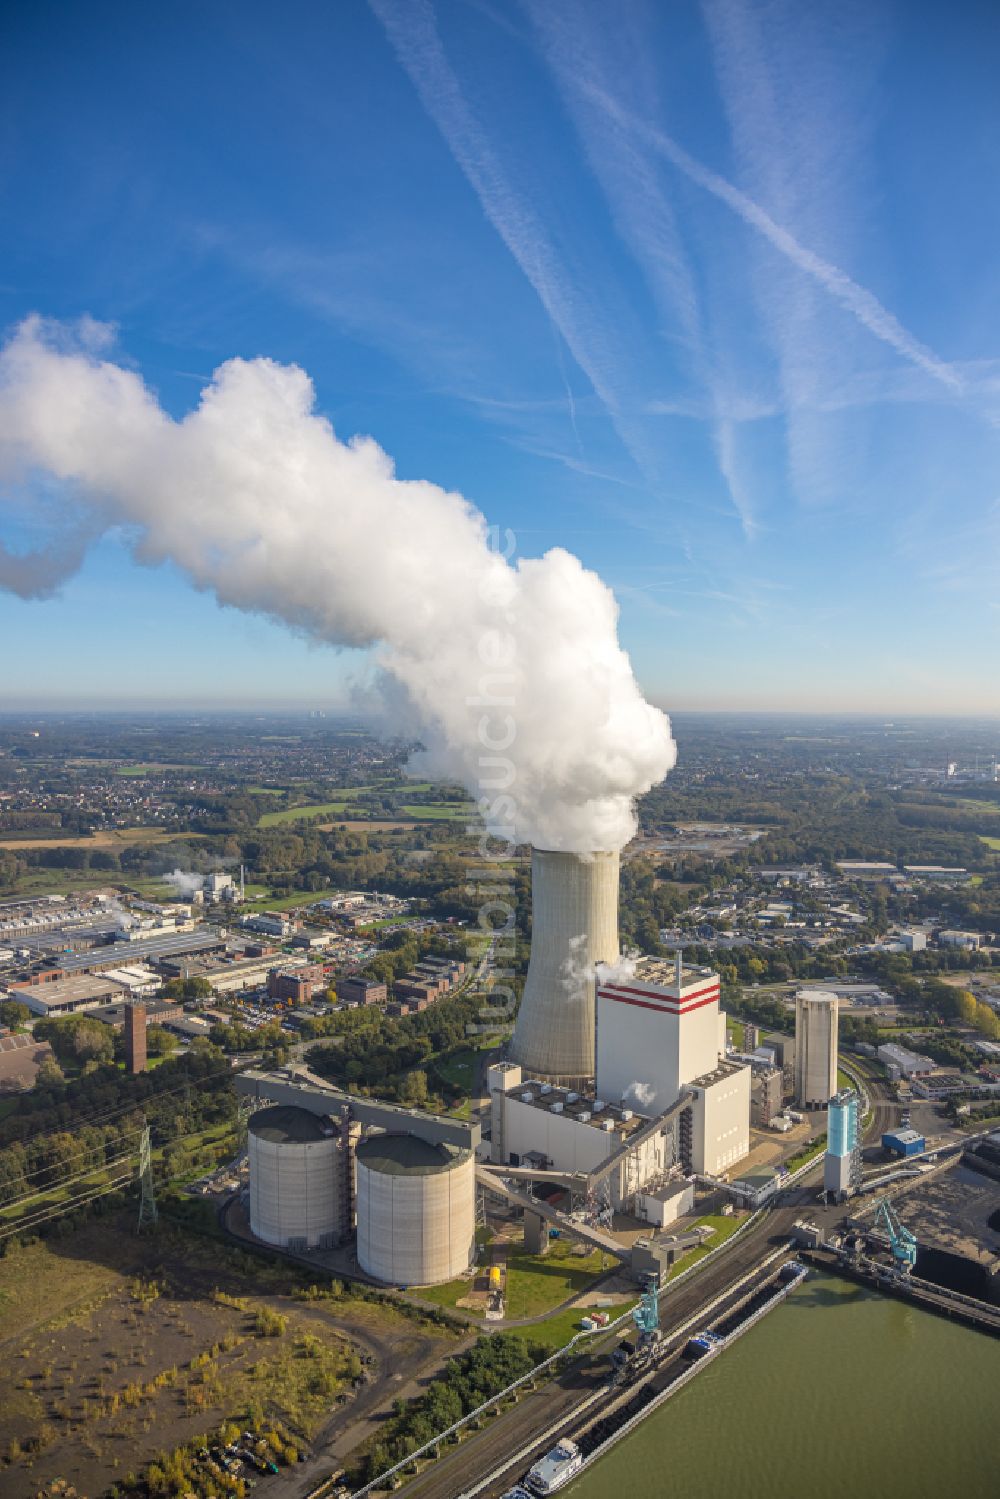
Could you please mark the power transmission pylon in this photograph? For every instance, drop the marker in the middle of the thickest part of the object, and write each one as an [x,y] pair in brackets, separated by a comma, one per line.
[147,1198]
[244,1108]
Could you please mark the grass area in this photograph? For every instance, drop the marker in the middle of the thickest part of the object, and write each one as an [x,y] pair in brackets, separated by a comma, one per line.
[438,811]
[535,1284]
[736,1030]
[57,882]
[808,1153]
[299,814]
[723,1228]
[556,1331]
[538,1282]
[844,1080]
[458,1068]
[113,839]
[153,768]
[993,843]
[299,898]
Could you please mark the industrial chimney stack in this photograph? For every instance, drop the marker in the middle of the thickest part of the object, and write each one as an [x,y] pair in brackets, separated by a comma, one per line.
[574,904]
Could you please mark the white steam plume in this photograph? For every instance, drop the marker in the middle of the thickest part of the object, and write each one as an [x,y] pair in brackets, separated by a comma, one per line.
[255,497]
[183,882]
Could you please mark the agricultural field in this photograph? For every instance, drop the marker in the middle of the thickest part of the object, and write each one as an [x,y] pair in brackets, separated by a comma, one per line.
[112,839]
[152,769]
[439,811]
[116,1348]
[300,814]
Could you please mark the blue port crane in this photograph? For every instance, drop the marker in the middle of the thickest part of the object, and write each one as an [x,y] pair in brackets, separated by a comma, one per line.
[901,1241]
[646,1315]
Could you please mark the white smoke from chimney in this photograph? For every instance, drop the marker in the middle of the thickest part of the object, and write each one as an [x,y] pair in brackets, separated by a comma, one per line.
[621,972]
[253,495]
[186,884]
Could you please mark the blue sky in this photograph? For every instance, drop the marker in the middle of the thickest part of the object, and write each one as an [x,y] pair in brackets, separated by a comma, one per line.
[708,294]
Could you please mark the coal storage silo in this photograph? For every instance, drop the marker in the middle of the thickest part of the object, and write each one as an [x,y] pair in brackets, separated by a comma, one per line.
[574,905]
[297,1179]
[416,1209]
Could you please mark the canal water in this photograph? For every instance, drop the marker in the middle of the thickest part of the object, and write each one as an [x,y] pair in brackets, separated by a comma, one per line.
[839,1393]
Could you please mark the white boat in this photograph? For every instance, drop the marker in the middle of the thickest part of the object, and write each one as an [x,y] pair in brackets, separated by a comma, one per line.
[555,1468]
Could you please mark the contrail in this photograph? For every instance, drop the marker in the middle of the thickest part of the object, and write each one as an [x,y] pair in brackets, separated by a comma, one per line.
[411,30]
[856,299]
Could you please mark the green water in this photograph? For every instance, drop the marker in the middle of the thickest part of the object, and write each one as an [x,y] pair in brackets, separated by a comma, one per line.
[837,1394]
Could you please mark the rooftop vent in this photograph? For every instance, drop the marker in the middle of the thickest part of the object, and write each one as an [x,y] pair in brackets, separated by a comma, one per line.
[527,1097]
[626,1115]
[556,1108]
[599,1105]
[572,1097]
[583,1116]
[545,1088]
[608,1126]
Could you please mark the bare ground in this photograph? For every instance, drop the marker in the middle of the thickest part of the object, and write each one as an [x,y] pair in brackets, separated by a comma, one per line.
[113,1348]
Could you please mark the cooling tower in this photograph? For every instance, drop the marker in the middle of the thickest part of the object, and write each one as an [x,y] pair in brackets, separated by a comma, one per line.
[574,905]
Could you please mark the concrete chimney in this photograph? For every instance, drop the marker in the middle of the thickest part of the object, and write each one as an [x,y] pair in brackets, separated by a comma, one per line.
[574,904]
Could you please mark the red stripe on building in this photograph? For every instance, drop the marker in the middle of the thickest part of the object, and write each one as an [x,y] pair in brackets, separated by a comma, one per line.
[642,1004]
[612,990]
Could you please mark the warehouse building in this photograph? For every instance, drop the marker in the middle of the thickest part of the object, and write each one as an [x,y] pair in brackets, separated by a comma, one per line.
[67,996]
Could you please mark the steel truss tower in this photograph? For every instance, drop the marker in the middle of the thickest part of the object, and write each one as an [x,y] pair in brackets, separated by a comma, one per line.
[147,1197]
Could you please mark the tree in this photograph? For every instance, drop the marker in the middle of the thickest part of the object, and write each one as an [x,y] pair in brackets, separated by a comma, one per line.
[50,1074]
[14,1014]
[966,1005]
[413,1091]
[160,1042]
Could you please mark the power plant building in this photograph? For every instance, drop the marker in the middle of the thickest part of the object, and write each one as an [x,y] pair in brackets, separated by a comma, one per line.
[715,1129]
[816,1013]
[574,906]
[657,1029]
[559,1129]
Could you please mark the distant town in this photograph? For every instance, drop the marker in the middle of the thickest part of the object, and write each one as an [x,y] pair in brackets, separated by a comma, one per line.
[265,1116]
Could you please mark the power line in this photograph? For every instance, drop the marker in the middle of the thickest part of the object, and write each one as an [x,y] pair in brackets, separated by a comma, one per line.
[68,1207]
[67,1181]
[59,1211]
[27,1176]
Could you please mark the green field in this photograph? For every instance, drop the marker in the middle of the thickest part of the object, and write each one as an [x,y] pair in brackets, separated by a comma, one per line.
[299,814]
[536,1283]
[724,1228]
[438,811]
[153,768]
[993,843]
[299,898]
